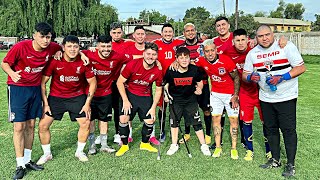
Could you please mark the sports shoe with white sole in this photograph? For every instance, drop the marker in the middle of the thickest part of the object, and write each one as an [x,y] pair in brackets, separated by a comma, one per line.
[217,152]
[98,140]
[173,149]
[205,150]
[249,155]
[234,154]
[81,156]
[117,138]
[107,149]
[44,158]
[92,150]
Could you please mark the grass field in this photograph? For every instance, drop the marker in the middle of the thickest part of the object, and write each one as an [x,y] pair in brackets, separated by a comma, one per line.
[138,164]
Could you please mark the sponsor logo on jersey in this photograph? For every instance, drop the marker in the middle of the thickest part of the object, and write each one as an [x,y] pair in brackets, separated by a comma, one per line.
[141,82]
[68,78]
[274,53]
[222,70]
[27,69]
[28,57]
[216,78]
[183,81]
[100,72]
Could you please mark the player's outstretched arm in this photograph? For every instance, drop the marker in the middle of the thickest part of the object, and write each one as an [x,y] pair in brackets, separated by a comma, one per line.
[44,96]
[126,103]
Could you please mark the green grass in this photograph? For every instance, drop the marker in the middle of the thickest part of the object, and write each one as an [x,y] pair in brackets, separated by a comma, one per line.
[138,164]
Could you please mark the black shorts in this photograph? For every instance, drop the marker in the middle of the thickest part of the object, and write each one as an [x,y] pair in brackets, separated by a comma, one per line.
[204,98]
[140,104]
[101,108]
[115,96]
[73,106]
[189,110]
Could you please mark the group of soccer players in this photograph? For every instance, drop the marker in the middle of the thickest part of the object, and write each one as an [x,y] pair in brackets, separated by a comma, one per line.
[120,76]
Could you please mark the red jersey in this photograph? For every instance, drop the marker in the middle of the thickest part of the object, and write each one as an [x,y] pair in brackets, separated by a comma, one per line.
[132,50]
[239,59]
[166,52]
[194,49]
[23,57]
[139,80]
[219,73]
[223,45]
[69,79]
[105,69]
[121,46]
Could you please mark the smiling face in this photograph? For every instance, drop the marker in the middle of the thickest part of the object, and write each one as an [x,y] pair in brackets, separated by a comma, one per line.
[190,32]
[139,36]
[167,33]
[183,60]
[222,27]
[210,52]
[71,50]
[104,49]
[150,56]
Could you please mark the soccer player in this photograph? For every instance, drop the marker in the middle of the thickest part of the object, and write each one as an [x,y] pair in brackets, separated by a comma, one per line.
[139,75]
[67,94]
[24,64]
[248,94]
[166,55]
[181,87]
[106,63]
[225,84]
[193,44]
[277,72]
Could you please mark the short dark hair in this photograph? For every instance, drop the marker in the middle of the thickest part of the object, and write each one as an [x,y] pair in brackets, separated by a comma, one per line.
[115,25]
[71,39]
[138,27]
[239,32]
[43,28]
[104,39]
[150,45]
[220,18]
[182,50]
[167,25]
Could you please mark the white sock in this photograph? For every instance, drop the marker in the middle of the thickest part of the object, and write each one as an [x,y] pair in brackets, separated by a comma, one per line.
[20,162]
[27,155]
[130,133]
[153,131]
[80,147]
[46,149]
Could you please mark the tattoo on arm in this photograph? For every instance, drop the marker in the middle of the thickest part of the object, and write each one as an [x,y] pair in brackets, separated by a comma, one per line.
[217,131]
[234,134]
[236,81]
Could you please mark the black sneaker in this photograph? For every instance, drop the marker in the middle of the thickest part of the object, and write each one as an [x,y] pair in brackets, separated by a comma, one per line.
[289,170]
[20,172]
[33,166]
[272,163]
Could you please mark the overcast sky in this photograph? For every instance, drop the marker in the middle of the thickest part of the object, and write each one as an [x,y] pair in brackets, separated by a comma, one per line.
[176,8]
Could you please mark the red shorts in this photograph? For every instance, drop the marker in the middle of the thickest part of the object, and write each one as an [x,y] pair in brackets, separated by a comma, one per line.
[247,104]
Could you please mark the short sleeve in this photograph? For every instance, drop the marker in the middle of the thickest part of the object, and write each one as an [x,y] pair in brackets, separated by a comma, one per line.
[89,72]
[126,72]
[199,75]
[248,65]
[293,54]
[159,79]
[13,55]
[49,68]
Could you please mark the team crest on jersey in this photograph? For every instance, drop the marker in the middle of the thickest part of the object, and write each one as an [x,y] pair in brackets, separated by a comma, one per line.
[152,75]
[111,64]
[78,70]
[27,69]
[47,58]
[268,64]
[221,70]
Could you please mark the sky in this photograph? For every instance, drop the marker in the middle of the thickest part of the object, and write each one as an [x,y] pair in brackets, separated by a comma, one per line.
[176,8]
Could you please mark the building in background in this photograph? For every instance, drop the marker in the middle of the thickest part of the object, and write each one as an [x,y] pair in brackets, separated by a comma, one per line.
[285,25]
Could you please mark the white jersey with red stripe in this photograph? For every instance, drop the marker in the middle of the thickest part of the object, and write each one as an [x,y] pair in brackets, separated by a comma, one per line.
[277,61]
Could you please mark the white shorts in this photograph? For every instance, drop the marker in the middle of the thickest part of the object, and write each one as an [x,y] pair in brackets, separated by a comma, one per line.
[219,101]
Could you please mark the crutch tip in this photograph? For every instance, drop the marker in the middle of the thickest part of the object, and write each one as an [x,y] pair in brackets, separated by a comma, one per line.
[158,158]
[190,156]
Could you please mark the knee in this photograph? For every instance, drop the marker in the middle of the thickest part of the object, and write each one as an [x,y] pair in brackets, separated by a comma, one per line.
[30,125]
[206,113]
[124,119]
[85,124]
[19,127]
[197,127]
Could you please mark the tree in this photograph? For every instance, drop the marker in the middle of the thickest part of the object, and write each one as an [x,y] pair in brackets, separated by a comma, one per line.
[245,21]
[294,11]
[316,24]
[152,16]
[197,16]
[260,14]
[279,12]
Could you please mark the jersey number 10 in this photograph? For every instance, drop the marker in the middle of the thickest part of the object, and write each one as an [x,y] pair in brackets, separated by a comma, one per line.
[168,54]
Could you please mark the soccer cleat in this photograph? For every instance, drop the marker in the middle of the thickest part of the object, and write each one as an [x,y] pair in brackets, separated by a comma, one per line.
[289,170]
[33,166]
[154,141]
[81,156]
[269,155]
[44,158]
[271,163]
[249,155]
[107,149]
[92,149]
[234,154]
[173,149]
[148,147]
[122,150]
[19,173]
[98,140]
[186,137]
[207,139]
[162,137]
[205,150]
[117,138]
[130,139]
[217,152]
